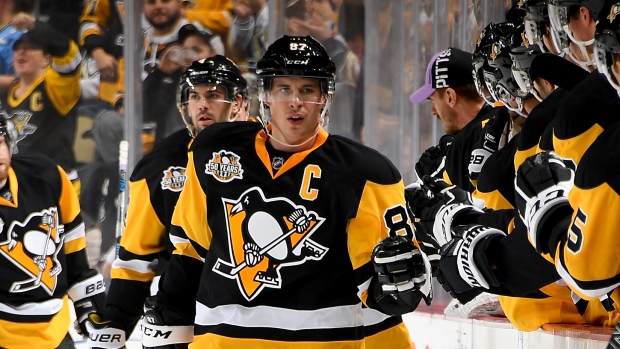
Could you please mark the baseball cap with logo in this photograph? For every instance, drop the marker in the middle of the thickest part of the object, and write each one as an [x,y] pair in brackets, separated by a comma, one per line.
[449,68]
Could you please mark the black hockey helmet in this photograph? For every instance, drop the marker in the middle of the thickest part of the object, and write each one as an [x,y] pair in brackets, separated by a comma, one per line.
[216,70]
[506,87]
[492,32]
[296,56]
[559,15]
[607,41]
[537,24]
[522,53]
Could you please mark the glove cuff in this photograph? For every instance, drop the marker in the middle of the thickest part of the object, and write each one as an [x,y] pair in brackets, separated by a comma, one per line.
[446,217]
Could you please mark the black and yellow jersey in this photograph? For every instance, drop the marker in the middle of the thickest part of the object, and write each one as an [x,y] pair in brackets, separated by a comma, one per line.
[587,254]
[101,26]
[145,248]
[590,108]
[496,180]
[43,120]
[216,15]
[280,258]
[535,125]
[465,141]
[42,253]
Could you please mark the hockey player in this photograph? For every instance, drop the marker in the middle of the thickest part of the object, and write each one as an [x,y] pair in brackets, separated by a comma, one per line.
[570,226]
[591,105]
[41,103]
[269,252]
[42,248]
[210,91]
[449,85]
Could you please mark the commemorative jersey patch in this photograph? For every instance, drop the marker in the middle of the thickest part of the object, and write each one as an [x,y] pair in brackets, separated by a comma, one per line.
[173,179]
[225,166]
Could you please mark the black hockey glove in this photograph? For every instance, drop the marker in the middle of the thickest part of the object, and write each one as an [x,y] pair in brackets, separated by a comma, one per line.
[403,275]
[104,334]
[542,185]
[432,161]
[157,335]
[463,265]
[494,137]
[454,206]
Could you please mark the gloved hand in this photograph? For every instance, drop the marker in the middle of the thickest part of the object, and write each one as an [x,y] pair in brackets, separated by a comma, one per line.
[494,132]
[156,334]
[454,206]
[104,334]
[542,185]
[432,161]
[404,272]
[463,263]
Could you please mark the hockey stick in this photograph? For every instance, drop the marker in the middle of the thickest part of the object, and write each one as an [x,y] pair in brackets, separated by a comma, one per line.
[123,154]
[226,269]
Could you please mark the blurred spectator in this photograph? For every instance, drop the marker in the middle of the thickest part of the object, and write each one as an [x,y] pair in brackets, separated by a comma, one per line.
[247,39]
[41,103]
[101,35]
[160,86]
[319,22]
[216,15]
[8,35]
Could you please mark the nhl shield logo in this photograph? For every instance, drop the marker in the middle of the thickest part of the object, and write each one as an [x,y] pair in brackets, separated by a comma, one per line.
[224,166]
[265,235]
[173,179]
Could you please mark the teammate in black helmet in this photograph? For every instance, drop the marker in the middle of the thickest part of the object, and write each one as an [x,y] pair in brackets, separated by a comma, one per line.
[275,229]
[210,91]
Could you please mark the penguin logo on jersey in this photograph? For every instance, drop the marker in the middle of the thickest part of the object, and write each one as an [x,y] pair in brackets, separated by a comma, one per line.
[613,12]
[33,246]
[18,125]
[173,179]
[266,235]
[224,166]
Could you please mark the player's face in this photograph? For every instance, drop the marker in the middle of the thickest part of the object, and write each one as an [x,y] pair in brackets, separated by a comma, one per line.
[5,159]
[162,14]
[295,105]
[201,49]
[444,113]
[208,105]
[28,59]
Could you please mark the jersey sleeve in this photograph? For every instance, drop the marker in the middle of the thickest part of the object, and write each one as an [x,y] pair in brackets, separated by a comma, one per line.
[62,79]
[381,212]
[587,255]
[215,15]
[75,234]
[134,269]
[93,23]
[191,238]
